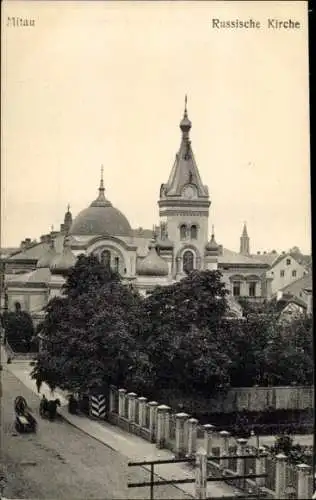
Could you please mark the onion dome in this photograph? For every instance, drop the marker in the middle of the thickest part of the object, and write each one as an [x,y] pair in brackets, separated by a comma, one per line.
[164,244]
[63,261]
[101,218]
[212,246]
[46,259]
[185,123]
[153,264]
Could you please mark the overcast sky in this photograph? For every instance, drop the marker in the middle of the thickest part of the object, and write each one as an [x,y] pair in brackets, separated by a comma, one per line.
[103,82]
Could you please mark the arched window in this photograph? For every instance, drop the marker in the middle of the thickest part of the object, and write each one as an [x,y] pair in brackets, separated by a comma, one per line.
[116,264]
[183,232]
[188,261]
[193,232]
[106,258]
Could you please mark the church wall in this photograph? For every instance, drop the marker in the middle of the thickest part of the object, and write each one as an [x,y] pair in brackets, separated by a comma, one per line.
[37,301]
[174,223]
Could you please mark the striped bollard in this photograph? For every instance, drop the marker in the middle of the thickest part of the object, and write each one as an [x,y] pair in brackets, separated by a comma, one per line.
[98,406]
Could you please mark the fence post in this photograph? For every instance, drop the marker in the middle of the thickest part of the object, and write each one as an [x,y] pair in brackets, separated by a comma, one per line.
[131,406]
[167,423]
[192,436]
[112,399]
[241,450]
[261,467]
[180,445]
[208,431]
[201,474]
[122,394]
[280,485]
[141,410]
[224,448]
[302,483]
[152,419]
[161,420]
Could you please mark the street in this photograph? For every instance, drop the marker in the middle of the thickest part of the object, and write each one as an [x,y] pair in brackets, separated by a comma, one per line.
[60,461]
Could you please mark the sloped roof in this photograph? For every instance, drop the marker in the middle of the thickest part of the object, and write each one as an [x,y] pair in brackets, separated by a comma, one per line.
[267,258]
[304,260]
[184,170]
[33,252]
[297,286]
[230,257]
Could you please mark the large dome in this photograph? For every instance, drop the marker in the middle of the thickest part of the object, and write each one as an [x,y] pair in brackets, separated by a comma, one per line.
[101,218]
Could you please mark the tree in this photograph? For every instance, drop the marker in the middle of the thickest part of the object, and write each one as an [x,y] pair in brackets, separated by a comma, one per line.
[19,329]
[90,332]
[180,334]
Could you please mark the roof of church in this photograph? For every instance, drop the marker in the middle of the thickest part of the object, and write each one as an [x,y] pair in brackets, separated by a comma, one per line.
[184,170]
[101,218]
[267,258]
[230,257]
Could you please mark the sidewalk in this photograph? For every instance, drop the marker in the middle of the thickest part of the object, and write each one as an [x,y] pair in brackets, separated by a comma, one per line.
[132,447]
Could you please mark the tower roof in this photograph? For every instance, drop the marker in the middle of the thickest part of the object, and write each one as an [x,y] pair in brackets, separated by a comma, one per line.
[184,171]
[244,233]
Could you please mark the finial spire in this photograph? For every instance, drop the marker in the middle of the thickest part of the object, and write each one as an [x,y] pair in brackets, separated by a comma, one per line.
[68,207]
[101,180]
[213,234]
[185,105]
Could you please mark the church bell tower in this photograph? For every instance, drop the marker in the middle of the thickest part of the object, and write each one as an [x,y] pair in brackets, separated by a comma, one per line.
[184,207]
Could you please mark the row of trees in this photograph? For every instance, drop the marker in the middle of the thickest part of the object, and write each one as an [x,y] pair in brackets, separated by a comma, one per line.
[102,332]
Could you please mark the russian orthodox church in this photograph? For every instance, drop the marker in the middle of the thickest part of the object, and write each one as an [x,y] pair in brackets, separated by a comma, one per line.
[179,244]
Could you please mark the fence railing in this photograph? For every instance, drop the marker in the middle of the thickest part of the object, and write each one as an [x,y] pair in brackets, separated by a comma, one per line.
[183,435]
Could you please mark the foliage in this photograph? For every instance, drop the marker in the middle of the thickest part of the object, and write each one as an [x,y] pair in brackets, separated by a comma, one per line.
[265,352]
[89,332]
[19,329]
[296,453]
[180,334]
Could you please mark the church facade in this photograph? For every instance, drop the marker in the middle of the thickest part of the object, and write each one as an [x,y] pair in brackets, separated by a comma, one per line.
[179,244]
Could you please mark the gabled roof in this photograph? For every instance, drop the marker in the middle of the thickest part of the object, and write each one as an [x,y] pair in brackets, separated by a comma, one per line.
[298,286]
[290,299]
[304,260]
[230,257]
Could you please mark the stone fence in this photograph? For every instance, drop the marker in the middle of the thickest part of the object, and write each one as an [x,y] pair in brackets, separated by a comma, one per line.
[251,399]
[183,435]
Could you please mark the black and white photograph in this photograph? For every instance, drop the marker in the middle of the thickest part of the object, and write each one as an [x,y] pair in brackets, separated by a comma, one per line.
[156,295]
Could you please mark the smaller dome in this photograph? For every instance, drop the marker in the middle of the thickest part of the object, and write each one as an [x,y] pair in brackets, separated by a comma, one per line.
[185,124]
[63,261]
[46,259]
[164,244]
[153,264]
[212,245]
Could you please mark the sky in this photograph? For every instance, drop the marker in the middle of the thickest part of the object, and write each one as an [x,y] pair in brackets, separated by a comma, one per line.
[104,83]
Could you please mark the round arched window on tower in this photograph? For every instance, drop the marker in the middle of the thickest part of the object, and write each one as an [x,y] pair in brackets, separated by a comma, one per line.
[188,261]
